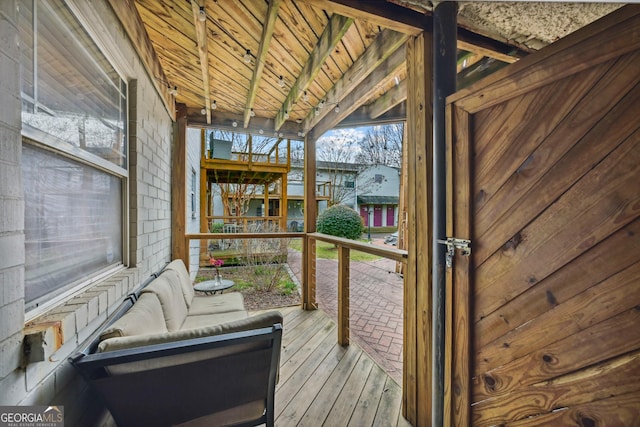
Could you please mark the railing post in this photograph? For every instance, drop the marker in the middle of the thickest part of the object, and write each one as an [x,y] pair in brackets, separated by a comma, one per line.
[343,295]
[186,254]
[309,274]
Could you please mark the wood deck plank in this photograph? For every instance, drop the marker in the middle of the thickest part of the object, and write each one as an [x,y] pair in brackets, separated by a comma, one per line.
[367,406]
[307,389]
[324,383]
[297,368]
[349,397]
[389,406]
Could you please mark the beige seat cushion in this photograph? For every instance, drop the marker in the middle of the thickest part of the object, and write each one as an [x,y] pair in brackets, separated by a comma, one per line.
[205,320]
[178,268]
[262,320]
[145,317]
[171,298]
[214,304]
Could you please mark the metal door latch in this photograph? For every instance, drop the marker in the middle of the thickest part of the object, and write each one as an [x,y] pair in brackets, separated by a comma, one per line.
[452,244]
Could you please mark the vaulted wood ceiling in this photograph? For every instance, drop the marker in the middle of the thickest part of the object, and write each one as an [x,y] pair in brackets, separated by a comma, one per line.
[293,66]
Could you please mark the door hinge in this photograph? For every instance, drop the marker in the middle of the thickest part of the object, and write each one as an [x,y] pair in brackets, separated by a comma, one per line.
[453,243]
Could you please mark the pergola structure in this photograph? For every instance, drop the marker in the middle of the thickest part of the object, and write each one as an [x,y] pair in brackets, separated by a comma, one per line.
[298,68]
[295,69]
[520,172]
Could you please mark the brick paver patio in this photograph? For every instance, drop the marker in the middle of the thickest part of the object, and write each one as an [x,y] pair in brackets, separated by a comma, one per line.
[376,306]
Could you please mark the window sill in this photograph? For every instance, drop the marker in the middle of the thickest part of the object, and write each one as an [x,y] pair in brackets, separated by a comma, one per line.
[72,322]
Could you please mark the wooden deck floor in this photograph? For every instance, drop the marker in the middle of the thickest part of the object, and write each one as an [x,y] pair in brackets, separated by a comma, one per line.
[322,383]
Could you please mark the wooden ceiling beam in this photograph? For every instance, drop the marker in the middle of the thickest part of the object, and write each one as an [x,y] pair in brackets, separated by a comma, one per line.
[362,117]
[261,57]
[396,95]
[330,37]
[385,14]
[203,53]
[485,46]
[130,19]
[363,92]
[405,20]
[385,44]
[468,60]
[224,121]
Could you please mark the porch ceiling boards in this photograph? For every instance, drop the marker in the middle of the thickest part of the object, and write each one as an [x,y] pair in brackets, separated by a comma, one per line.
[224,175]
[341,61]
[323,383]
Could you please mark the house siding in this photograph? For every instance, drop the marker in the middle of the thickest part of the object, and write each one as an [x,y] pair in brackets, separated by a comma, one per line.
[389,187]
[53,381]
[194,149]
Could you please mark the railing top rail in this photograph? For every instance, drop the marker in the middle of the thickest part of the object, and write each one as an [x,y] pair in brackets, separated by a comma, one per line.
[391,253]
[270,235]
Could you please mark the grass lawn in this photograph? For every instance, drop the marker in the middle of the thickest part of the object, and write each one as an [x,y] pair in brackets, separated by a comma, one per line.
[329,251]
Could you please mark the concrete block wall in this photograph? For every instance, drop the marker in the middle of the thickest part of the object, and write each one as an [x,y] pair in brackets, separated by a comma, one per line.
[53,381]
[12,255]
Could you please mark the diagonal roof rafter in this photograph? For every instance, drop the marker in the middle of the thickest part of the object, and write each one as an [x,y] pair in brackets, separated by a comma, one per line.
[363,91]
[265,42]
[203,53]
[385,44]
[331,36]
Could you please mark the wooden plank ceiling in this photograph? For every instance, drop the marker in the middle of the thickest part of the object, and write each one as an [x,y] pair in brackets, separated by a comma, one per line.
[287,67]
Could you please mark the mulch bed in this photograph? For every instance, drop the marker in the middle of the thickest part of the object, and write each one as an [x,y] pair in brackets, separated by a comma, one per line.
[255,298]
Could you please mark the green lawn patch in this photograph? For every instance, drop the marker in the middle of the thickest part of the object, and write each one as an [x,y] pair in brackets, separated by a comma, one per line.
[326,250]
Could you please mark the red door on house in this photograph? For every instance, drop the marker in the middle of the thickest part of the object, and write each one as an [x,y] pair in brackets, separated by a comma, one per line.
[377,216]
[363,214]
[391,215]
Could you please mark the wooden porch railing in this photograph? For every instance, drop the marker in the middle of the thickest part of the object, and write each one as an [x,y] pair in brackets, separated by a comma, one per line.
[275,156]
[345,246]
[245,223]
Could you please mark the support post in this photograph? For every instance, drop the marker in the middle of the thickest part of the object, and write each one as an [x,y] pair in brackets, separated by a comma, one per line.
[417,371]
[444,84]
[343,295]
[284,203]
[178,186]
[203,201]
[310,208]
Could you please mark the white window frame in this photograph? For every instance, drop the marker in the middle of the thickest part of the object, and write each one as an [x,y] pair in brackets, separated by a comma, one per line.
[99,34]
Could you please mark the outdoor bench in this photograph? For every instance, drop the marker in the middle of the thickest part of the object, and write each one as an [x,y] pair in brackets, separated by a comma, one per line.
[170,357]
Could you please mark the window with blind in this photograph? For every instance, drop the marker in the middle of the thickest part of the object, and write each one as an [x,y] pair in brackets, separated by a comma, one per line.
[73,156]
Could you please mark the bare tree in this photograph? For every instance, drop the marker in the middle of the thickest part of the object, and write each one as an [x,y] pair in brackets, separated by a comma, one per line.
[335,153]
[237,196]
[297,150]
[381,145]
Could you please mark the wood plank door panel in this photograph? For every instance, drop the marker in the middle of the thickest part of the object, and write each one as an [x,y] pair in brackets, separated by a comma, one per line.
[377,216]
[544,179]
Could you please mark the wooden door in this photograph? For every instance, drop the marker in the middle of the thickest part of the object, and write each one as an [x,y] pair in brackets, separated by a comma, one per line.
[391,215]
[364,213]
[544,172]
[377,216]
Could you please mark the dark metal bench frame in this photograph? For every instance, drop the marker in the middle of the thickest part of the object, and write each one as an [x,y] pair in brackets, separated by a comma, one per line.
[186,391]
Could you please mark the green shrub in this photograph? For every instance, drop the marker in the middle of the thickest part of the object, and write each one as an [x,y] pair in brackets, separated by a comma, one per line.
[340,221]
[288,287]
[217,227]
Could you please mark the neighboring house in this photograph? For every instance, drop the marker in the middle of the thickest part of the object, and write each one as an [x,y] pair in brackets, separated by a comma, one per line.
[375,188]
[372,191]
[378,195]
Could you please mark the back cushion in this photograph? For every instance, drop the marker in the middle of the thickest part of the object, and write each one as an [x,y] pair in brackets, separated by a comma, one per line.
[145,317]
[177,268]
[174,307]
